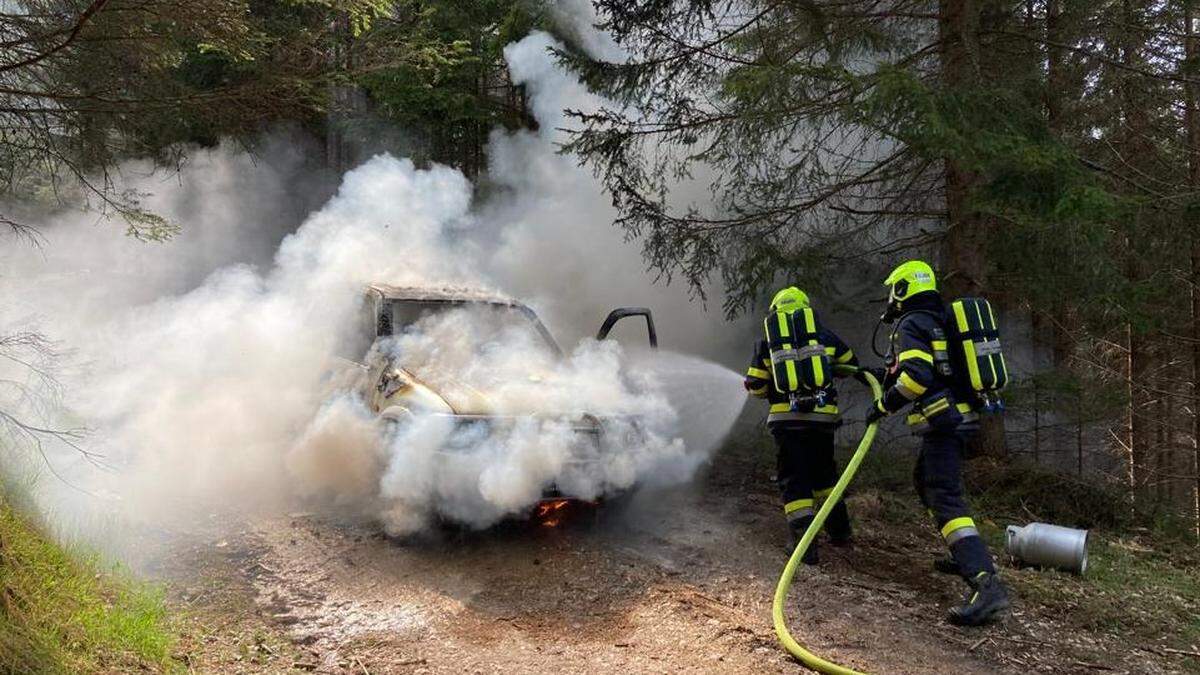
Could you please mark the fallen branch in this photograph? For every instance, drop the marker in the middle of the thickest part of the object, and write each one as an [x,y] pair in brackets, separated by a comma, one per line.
[1023,642]
[1093,666]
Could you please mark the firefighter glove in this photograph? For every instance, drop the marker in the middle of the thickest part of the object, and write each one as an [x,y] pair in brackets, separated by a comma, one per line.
[876,412]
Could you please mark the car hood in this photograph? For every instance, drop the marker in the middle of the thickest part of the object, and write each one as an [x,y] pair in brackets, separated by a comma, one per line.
[462,398]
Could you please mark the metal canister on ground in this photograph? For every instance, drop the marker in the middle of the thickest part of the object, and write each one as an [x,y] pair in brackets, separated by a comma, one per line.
[1049,545]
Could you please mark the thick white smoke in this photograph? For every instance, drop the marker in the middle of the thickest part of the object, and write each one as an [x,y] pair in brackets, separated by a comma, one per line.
[202,367]
[542,433]
[557,214]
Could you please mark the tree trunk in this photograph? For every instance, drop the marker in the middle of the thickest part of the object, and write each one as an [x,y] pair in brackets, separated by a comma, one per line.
[1192,123]
[1041,336]
[1135,146]
[1079,442]
[1142,422]
[1160,477]
[1054,65]
[337,118]
[963,267]
[1062,341]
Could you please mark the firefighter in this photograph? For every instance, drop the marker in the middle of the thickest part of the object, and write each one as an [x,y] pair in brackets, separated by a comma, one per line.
[806,471]
[944,413]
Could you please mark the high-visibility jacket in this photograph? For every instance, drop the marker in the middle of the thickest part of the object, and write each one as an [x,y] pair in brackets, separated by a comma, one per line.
[761,385]
[919,369]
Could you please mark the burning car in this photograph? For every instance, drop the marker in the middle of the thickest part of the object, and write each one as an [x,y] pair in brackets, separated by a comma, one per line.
[472,365]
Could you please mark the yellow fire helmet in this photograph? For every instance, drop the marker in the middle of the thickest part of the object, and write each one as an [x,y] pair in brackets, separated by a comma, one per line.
[789,299]
[910,278]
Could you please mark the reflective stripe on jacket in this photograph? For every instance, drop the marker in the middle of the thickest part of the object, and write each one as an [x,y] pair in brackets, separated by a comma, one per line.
[760,384]
[919,371]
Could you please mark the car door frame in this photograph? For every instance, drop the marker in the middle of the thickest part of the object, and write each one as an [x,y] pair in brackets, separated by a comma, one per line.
[620,313]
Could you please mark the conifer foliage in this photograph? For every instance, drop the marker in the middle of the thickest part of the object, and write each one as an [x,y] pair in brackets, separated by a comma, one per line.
[1043,151]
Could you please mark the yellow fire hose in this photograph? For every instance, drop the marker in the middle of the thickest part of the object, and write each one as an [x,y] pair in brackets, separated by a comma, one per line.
[785,581]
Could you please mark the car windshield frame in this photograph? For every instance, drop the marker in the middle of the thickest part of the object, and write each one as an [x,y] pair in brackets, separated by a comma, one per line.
[449,303]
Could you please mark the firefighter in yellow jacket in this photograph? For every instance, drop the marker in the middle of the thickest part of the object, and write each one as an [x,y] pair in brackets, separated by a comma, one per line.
[806,471]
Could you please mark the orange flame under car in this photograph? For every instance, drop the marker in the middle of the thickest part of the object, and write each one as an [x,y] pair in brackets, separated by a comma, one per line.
[552,512]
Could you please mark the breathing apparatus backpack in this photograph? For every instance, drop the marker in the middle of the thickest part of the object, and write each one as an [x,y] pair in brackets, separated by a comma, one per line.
[978,360]
[800,367]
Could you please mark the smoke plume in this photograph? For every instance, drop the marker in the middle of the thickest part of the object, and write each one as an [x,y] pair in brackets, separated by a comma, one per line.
[206,368]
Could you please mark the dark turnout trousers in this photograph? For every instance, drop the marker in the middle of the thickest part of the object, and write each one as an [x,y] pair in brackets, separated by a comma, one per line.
[806,473]
[938,480]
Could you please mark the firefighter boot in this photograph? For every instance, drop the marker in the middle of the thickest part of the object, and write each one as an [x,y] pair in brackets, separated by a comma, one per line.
[984,602]
[798,528]
[838,526]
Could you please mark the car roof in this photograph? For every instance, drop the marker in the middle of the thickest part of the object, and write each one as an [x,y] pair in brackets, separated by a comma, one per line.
[462,294]
[442,294]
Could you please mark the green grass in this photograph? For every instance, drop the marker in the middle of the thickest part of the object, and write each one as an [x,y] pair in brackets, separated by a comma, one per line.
[63,612]
[1130,588]
[1142,581]
[1142,575]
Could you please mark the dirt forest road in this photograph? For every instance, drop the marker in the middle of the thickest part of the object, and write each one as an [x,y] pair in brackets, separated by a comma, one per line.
[680,582]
